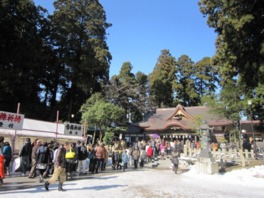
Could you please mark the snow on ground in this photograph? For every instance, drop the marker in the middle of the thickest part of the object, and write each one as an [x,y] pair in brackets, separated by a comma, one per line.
[152,183]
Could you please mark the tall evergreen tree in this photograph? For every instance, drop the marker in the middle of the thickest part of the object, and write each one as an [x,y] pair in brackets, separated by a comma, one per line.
[187,94]
[79,29]
[206,77]
[21,56]
[142,94]
[240,44]
[163,79]
[128,91]
[240,41]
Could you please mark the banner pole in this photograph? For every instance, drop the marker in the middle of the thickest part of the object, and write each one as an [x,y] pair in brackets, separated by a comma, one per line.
[57,125]
[84,130]
[14,138]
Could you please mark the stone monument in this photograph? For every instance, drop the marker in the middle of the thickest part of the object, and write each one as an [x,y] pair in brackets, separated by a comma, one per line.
[205,162]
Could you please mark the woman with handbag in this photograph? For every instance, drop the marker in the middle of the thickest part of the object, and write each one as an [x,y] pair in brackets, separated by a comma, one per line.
[71,159]
[42,159]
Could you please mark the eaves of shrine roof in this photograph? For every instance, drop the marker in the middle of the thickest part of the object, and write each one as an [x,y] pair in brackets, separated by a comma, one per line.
[182,117]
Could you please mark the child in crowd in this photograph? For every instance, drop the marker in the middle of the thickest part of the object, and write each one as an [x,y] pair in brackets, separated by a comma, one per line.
[124,160]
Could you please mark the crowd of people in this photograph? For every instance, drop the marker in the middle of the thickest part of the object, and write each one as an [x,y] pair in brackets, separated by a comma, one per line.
[60,162]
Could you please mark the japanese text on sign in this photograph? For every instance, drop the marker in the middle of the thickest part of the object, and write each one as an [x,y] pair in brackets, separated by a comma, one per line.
[11,120]
[73,129]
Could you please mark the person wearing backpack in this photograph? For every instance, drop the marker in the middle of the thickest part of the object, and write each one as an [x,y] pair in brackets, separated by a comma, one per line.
[42,160]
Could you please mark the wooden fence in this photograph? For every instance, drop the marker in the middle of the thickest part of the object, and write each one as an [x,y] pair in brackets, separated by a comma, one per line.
[232,155]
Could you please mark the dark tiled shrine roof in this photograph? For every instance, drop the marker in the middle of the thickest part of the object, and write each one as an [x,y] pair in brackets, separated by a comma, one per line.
[185,118]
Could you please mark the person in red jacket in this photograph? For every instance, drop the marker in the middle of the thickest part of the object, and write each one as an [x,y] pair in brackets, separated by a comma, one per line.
[149,153]
[2,172]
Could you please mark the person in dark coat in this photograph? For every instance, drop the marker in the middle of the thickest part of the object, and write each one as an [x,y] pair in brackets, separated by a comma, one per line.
[25,155]
[42,160]
[143,155]
[2,143]
[175,160]
[35,147]
[72,161]
[82,155]
[50,167]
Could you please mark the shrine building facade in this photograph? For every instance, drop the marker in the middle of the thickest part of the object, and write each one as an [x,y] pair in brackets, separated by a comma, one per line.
[184,123]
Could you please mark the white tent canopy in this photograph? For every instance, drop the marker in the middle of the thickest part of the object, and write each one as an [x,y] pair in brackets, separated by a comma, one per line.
[39,128]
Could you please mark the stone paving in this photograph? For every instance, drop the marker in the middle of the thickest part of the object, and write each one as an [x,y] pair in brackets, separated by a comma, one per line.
[16,182]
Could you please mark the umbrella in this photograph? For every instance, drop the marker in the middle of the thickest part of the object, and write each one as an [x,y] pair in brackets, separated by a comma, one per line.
[155,136]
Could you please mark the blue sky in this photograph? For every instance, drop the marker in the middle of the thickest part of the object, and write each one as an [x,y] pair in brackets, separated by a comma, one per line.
[142,28]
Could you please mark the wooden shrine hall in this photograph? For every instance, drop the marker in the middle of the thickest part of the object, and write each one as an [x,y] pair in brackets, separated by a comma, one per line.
[182,123]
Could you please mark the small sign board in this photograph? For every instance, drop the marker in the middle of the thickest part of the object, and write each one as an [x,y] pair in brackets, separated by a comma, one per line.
[11,121]
[73,129]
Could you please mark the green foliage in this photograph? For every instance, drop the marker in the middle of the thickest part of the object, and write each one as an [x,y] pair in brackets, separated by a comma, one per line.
[101,113]
[198,120]
[206,77]
[79,32]
[240,41]
[209,100]
[187,94]
[129,91]
[162,80]
[108,137]
[232,103]
[181,81]
[21,56]
[258,103]
[45,56]
[239,47]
